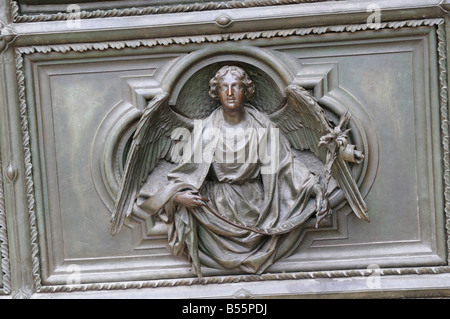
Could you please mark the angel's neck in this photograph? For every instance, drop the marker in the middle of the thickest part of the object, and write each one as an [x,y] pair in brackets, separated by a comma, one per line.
[233,117]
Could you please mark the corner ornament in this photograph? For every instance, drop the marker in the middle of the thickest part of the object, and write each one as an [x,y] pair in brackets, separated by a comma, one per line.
[7,36]
[236,194]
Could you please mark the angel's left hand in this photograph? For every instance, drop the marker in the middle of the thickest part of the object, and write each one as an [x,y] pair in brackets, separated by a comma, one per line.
[322,205]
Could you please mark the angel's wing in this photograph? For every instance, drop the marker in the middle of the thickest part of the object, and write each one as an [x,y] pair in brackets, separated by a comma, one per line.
[305,125]
[151,142]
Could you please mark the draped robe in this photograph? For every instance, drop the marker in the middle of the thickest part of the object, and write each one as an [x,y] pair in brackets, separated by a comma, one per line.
[267,188]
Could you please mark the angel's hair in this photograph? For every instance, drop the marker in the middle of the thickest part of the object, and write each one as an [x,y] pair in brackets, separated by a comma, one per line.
[234,70]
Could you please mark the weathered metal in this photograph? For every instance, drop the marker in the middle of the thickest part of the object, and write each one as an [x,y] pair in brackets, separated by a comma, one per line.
[75,82]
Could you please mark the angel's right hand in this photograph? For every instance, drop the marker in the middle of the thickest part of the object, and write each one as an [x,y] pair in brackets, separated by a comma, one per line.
[190,199]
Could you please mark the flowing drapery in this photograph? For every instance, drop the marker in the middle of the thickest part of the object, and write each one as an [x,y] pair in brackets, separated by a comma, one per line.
[253,179]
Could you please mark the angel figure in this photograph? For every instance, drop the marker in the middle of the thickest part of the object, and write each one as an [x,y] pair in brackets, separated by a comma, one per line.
[239,194]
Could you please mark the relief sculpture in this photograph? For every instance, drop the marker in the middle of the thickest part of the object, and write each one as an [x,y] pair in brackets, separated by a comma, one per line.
[238,193]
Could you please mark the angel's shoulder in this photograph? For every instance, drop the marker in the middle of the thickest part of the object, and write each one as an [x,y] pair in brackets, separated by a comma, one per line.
[261,117]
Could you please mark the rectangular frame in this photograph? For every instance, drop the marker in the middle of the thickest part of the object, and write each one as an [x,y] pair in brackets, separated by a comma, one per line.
[396,281]
[60,276]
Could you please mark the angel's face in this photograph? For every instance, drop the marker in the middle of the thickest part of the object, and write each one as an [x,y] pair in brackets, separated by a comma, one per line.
[231,92]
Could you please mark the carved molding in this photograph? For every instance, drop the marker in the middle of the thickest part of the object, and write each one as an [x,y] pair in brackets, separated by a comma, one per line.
[214,38]
[443,94]
[29,184]
[150,10]
[244,278]
[439,23]
[5,270]
[162,9]
[445,5]
[7,36]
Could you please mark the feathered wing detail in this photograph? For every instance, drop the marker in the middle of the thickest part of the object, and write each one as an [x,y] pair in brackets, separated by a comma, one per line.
[302,121]
[151,143]
[305,125]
